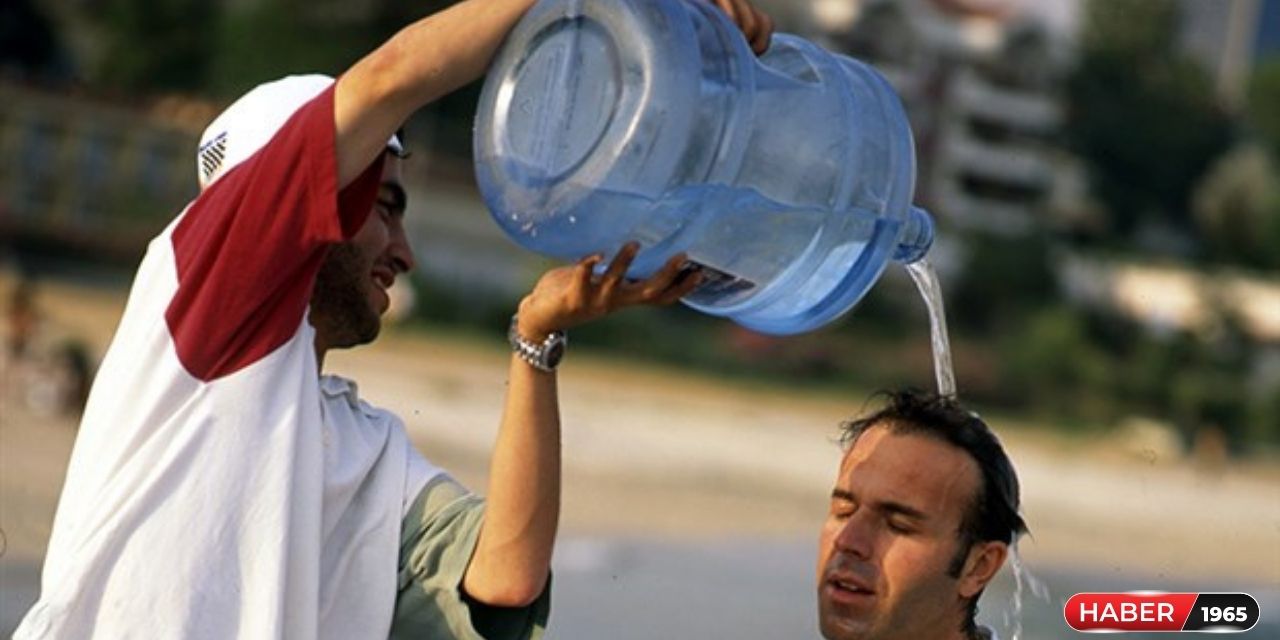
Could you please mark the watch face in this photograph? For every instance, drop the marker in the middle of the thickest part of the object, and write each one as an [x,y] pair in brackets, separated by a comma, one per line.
[554,353]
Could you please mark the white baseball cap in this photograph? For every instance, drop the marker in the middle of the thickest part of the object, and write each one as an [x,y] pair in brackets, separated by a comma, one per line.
[253,119]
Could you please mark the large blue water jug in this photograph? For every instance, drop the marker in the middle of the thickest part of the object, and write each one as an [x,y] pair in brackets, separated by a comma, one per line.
[787,178]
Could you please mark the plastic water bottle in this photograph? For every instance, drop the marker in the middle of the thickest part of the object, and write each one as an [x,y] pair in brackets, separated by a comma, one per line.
[786,178]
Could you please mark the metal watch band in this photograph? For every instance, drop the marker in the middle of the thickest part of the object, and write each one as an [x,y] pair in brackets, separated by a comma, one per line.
[543,356]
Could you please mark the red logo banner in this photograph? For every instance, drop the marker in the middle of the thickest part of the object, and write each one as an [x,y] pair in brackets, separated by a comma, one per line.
[1160,611]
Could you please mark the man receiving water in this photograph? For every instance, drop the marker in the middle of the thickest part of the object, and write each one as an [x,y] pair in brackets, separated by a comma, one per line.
[924,509]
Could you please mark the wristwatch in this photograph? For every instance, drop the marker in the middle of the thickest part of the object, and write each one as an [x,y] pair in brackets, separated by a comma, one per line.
[543,356]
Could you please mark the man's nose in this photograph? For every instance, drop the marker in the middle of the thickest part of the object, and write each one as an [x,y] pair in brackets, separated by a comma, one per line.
[402,252]
[857,535]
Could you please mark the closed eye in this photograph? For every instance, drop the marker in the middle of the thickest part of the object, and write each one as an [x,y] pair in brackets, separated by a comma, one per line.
[898,526]
[392,196]
[842,504]
[901,518]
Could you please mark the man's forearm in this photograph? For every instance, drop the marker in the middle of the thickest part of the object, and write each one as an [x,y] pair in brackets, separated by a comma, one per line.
[513,554]
[422,62]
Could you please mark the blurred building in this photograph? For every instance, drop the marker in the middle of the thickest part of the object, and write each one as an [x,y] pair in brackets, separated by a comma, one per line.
[1169,298]
[982,83]
[979,79]
[92,179]
[87,175]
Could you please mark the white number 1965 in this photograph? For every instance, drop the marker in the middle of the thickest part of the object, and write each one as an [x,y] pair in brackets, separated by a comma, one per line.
[1228,614]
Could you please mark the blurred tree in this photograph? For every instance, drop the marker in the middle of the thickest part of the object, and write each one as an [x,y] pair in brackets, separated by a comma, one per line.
[446,123]
[156,44]
[1264,102]
[265,40]
[29,46]
[1237,208]
[389,16]
[1142,113]
[1054,367]
[1264,416]
[1147,366]
[1204,398]
[1002,281]
[1142,27]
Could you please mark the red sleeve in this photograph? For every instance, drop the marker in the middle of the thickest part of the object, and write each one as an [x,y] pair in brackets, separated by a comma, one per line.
[249,247]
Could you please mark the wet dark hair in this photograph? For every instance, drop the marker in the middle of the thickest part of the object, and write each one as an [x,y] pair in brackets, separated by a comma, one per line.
[992,515]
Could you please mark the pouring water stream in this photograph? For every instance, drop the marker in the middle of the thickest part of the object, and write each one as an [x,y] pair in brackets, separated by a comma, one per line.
[926,280]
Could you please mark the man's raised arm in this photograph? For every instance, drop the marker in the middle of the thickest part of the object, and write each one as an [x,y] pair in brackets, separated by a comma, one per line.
[438,54]
[422,62]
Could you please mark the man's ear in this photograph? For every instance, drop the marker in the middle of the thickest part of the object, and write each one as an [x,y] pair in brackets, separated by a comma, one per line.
[985,559]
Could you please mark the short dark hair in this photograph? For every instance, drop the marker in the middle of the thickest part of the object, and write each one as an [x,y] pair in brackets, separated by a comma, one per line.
[992,515]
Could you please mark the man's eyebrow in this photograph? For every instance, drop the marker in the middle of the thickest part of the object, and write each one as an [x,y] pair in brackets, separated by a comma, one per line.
[887,506]
[897,508]
[398,199]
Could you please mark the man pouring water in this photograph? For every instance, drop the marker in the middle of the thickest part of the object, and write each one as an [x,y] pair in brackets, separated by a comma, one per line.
[222,486]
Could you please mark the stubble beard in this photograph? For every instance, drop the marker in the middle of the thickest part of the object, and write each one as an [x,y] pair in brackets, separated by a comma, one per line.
[836,622]
[340,308]
[894,620]
[835,625]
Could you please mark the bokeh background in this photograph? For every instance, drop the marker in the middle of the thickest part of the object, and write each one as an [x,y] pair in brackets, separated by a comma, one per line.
[1105,175]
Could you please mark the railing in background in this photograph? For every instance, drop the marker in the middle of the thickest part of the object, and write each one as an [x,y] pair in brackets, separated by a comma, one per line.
[92,178]
[95,181]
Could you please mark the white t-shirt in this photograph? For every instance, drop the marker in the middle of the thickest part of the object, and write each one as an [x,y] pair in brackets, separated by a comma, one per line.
[219,487]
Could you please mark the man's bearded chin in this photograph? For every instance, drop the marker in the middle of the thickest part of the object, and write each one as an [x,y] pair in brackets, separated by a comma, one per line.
[340,309]
[836,627]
